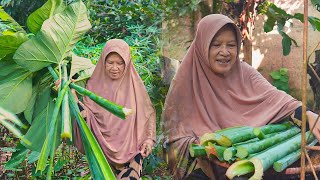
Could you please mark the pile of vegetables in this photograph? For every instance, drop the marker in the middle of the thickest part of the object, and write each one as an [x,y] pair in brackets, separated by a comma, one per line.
[253,150]
[30,64]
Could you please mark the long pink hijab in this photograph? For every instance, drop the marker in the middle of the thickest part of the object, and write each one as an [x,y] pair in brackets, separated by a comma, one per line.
[199,101]
[119,139]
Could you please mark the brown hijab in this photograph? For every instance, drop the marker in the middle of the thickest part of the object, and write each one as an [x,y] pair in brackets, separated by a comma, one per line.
[119,139]
[199,101]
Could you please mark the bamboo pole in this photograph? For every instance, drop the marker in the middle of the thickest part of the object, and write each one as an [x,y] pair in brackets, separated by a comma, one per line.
[304,90]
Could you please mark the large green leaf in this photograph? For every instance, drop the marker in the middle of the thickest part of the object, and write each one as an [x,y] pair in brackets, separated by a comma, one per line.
[17,157]
[12,36]
[41,120]
[55,39]
[41,83]
[15,86]
[10,41]
[94,153]
[80,64]
[50,8]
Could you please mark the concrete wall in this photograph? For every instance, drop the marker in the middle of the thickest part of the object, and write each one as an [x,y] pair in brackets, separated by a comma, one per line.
[267,49]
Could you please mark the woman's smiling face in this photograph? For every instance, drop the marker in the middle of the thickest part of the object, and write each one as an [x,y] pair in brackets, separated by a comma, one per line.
[114,65]
[223,50]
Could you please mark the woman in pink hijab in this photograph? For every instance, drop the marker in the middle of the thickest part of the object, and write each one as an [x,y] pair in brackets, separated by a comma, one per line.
[124,142]
[213,90]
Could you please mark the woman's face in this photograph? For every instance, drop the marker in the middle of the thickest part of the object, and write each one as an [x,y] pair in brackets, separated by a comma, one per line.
[114,65]
[223,51]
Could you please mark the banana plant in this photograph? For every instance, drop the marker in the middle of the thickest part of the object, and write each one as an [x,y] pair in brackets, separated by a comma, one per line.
[31,63]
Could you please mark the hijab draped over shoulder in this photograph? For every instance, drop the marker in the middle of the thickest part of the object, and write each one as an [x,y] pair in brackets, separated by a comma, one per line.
[119,139]
[199,101]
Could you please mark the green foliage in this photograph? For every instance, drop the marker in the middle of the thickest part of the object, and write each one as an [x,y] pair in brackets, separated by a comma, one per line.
[21,9]
[279,17]
[111,19]
[316,4]
[27,70]
[180,8]
[280,79]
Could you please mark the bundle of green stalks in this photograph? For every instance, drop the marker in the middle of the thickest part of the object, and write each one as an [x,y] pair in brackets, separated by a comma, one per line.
[252,150]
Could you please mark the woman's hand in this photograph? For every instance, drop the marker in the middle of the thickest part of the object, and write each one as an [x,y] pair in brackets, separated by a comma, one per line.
[312,117]
[146,148]
[57,83]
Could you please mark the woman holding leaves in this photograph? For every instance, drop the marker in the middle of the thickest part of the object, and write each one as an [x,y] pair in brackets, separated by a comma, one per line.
[213,90]
[124,142]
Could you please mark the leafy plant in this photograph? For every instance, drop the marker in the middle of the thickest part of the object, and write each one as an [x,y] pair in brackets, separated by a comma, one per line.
[111,18]
[280,79]
[278,16]
[26,82]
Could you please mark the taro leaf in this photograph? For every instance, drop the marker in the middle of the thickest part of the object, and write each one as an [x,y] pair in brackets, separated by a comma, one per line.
[15,86]
[56,38]
[80,64]
[17,157]
[41,120]
[39,86]
[33,157]
[84,76]
[28,112]
[10,41]
[50,8]
[275,75]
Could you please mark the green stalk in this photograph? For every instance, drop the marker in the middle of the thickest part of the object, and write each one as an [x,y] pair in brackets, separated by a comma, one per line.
[255,139]
[286,161]
[53,73]
[240,168]
[214,150]
[99,167]
[48,142]
[66,131]
[229,153]
[260,132]
[244,150]
[214,138]
[54,142]
[99,162]
[115,109]
[237,136]
[197,150]
[232,129]
[13,118]
[264,160]
[13,129]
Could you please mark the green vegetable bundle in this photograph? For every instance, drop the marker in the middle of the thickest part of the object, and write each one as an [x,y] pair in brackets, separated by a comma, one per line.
[253,149]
